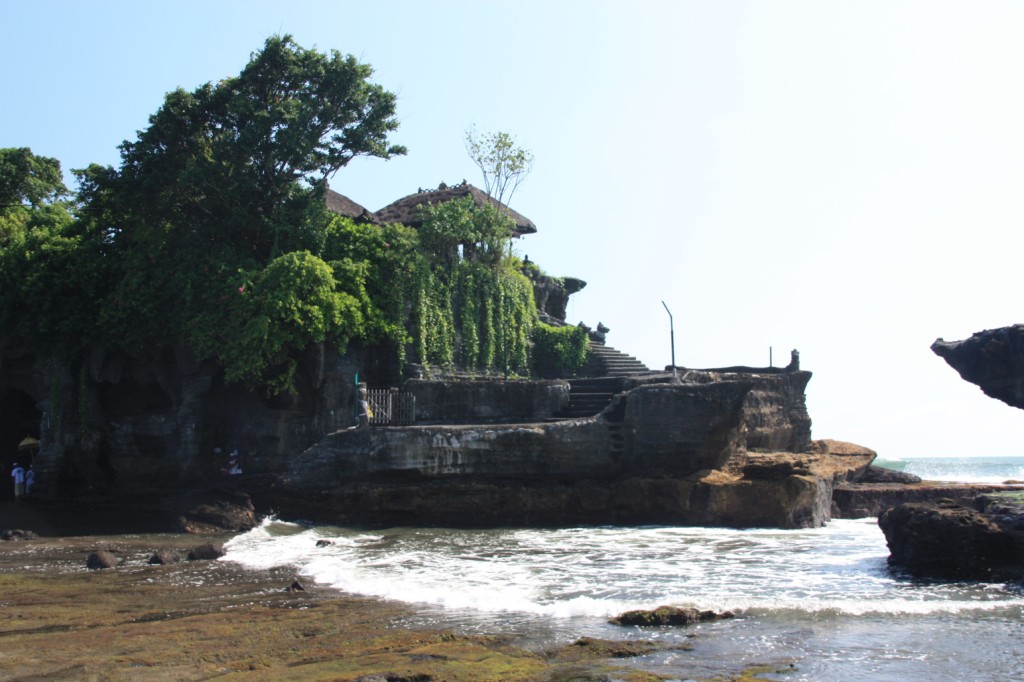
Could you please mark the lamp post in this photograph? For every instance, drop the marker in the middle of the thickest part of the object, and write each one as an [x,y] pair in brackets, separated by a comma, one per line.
[672,334]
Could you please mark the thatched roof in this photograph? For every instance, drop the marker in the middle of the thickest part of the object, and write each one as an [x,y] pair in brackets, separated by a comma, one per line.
[342,205]
[406,210]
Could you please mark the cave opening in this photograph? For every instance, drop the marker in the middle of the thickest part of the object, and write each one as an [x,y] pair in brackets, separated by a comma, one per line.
[20,420]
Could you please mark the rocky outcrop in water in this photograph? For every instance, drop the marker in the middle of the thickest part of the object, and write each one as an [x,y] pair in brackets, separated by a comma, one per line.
[668,615]
[992,359]
[951,541]
[717,448]
[728,447]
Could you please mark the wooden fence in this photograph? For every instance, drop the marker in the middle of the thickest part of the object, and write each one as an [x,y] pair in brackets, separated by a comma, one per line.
[391,408]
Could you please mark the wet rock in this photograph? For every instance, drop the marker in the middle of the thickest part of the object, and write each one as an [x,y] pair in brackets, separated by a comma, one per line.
[589,648]
[949,541]
[207,552]
[668,615]
[215,511]
[295,587]
[876,474]
[165,557]
[324,543]
[16,535]
[100,559]
[992,359]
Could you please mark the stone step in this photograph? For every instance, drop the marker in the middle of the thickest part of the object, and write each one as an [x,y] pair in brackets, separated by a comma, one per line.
[607,361]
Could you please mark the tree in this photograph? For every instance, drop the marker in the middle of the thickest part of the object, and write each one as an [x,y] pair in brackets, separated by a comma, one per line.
[225,183]
[503,163]
[52,272]
[27,179]
[242,163]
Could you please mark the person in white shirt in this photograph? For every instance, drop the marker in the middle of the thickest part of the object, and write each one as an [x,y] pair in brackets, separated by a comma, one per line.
[18,474]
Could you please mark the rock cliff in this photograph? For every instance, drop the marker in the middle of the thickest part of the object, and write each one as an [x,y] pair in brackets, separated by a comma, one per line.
[946,540]
[717,447]
[992,359]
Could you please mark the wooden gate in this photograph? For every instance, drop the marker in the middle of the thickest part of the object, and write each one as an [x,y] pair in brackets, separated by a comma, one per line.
[391,408]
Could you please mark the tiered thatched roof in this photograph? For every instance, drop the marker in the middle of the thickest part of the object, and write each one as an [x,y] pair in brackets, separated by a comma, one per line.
[406,210]
[342,205]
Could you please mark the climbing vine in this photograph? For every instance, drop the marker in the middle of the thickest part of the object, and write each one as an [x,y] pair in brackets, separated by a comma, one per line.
[475,309]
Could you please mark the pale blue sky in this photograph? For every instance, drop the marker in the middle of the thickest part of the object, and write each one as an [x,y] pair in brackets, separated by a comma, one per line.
[843,178]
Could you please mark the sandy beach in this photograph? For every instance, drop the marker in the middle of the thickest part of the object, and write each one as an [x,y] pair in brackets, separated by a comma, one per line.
[200,620]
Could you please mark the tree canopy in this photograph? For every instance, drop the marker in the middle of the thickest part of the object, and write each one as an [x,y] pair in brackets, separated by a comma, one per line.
[211,229]
[213,233]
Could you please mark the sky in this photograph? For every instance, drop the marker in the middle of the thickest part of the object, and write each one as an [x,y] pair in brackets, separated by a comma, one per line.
[834,177]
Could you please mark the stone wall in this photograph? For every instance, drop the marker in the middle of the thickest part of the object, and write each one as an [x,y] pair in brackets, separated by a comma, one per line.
[661,453]
[470,402]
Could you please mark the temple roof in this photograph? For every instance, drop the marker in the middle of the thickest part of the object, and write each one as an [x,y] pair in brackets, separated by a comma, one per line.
[342,205]
[405,210]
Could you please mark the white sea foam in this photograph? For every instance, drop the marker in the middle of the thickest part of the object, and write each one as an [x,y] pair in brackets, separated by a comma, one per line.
[597,572]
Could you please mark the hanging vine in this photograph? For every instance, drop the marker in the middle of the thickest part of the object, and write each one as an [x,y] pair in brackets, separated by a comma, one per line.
[473,309]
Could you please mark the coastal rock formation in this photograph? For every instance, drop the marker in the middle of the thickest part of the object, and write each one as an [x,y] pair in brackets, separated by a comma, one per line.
[951,541]
[668,615]
[165,557]
[992,359]
[729,448]
[17,534]
[858,499]
[100,559]
[207,552]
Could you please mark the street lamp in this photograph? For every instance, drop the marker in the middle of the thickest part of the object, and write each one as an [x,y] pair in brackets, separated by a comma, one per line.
[672,333]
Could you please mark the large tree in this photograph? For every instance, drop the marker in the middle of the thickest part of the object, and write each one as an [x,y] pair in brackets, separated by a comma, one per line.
[52,271]
[226,181]
[239,163]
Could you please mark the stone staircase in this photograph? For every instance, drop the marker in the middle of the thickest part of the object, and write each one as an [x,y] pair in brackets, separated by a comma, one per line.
[605,361]
[587,397]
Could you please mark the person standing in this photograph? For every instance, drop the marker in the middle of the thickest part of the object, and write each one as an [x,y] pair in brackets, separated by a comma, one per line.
[18,474]
[30,479]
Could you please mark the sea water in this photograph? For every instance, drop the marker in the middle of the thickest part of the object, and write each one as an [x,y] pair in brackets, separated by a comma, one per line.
[812,604]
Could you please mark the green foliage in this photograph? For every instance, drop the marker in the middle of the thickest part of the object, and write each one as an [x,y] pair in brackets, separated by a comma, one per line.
[225,164]
[52,271]
[473,309]
[480,231]
[386,281]
[559,352]
[216,227]
[213,232]
[27,179]
[257,330]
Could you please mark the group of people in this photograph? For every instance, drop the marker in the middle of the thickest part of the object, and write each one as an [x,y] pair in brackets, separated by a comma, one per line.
[24,479]
[233,468]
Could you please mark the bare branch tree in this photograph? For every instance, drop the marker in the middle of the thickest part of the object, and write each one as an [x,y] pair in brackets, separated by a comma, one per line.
[503,163]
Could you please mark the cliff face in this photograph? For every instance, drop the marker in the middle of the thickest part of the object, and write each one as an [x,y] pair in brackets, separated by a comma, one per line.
[992,359]
[692,452]
[125,424]
[724,447]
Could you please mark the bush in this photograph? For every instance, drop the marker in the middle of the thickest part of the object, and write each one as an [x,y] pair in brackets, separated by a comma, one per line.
[559,352]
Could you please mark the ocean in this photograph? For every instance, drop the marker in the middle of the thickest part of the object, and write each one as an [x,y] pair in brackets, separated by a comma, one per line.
[815,604]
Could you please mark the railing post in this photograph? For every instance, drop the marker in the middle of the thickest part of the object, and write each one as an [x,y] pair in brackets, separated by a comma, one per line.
[672,336]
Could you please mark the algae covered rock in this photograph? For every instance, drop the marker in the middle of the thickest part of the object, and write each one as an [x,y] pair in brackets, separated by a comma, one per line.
[668,615]
[949,541]
[207,552]
[100,559]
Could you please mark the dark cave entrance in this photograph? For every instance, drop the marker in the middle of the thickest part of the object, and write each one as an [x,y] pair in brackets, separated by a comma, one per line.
[20,418]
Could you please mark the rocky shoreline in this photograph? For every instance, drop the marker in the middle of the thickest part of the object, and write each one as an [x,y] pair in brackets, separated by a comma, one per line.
[203,619]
